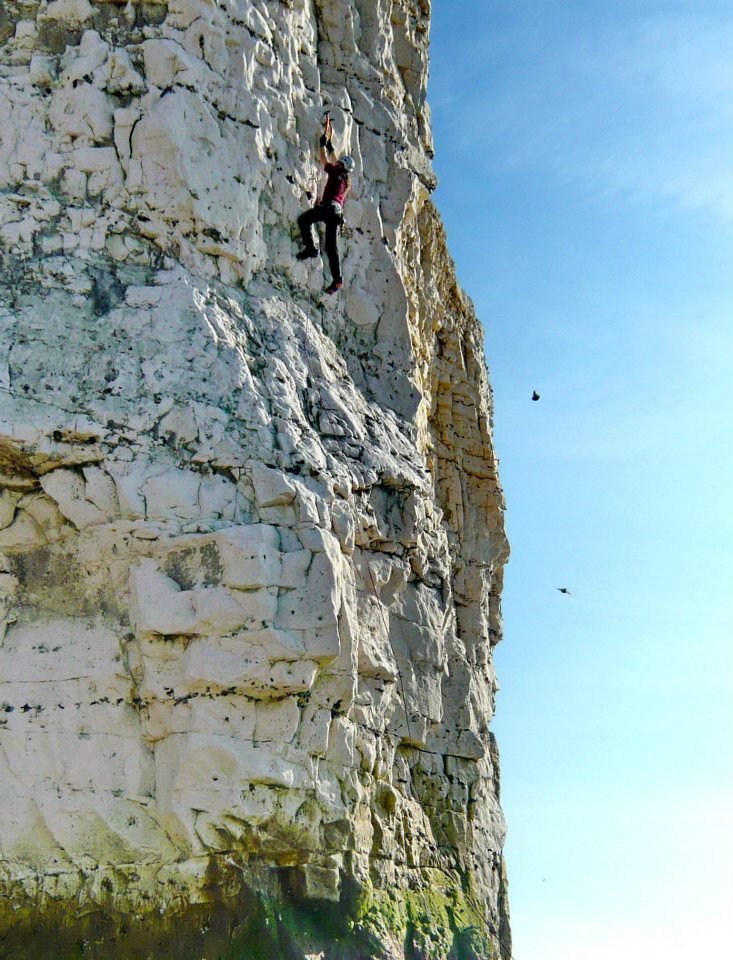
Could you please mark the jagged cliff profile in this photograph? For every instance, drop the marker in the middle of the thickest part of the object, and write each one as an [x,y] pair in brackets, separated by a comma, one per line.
[251,538]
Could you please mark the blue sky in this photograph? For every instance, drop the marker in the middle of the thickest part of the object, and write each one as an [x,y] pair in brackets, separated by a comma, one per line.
[584,152]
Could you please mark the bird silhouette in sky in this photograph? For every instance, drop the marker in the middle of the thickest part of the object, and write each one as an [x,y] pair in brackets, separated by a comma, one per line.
[535,395]
[564,590]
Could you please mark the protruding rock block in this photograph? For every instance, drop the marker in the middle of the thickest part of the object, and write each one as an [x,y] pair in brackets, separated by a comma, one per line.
[250,556]
[272,488]
[196,772]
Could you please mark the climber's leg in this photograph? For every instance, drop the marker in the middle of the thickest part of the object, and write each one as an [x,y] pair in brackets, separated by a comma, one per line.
[305,222]
[332,229]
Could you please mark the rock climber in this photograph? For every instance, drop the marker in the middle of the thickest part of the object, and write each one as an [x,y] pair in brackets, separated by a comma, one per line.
[330,208]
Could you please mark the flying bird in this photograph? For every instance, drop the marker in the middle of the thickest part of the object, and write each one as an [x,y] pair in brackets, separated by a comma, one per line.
[564,590]
[535,395]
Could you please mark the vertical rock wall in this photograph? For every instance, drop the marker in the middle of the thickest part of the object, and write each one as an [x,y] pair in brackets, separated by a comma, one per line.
[251,538]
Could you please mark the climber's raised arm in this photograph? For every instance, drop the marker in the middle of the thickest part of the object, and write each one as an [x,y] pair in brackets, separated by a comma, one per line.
[326,153]
[323,152]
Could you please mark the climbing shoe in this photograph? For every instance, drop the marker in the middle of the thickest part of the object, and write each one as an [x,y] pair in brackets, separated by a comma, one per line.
[336,285]
[307,254]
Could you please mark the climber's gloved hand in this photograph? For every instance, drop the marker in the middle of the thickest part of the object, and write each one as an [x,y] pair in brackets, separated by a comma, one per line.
[326,142]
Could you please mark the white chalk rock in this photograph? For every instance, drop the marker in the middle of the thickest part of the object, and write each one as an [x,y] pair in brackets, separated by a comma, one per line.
[251,538]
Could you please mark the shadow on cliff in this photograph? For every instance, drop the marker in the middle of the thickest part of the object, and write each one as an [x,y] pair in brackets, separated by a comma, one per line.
[257,925]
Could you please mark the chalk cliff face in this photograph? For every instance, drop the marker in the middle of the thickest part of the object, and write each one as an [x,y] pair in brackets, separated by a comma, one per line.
[251,538]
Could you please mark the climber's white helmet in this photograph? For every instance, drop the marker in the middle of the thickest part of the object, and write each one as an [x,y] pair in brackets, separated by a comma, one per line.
[347,163]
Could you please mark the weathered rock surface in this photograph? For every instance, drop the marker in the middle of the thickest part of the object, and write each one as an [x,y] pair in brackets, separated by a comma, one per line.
[251,539]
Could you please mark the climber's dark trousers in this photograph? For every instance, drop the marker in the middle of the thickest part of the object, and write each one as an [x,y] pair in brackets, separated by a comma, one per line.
[323,214]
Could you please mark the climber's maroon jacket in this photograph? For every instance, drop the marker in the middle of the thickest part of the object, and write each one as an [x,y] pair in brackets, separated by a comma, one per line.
[337,186]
